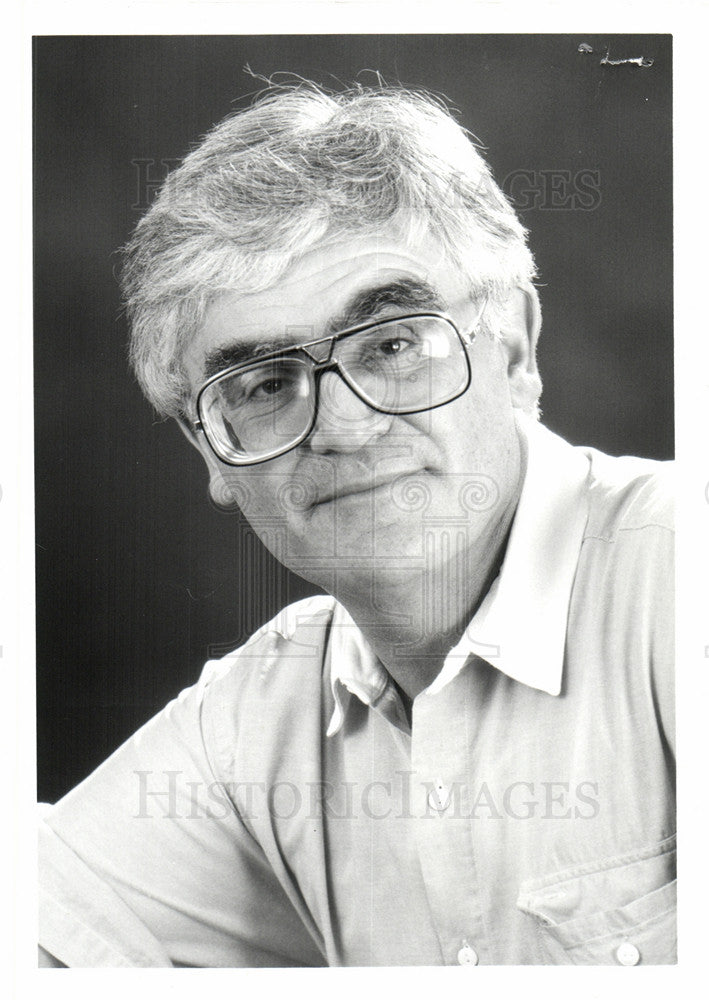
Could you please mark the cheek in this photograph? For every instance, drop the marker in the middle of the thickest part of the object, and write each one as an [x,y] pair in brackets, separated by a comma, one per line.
[478,421]
[487,408]
[478,446]
[272,504]
[275,499]
[266,493]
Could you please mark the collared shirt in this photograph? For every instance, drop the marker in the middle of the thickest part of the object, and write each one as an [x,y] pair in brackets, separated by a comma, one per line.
[283,812]
[532,589]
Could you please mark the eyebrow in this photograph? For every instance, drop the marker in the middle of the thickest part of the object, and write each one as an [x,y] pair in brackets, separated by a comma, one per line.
[404,294]
[242,351]
[408,294]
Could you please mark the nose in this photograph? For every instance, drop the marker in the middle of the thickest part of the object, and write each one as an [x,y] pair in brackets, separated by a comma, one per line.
[344,423]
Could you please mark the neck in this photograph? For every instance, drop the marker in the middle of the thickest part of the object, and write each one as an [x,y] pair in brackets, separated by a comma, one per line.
[412,618]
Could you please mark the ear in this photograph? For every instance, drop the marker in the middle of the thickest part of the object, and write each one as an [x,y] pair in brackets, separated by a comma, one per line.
[219,489]
[519,332]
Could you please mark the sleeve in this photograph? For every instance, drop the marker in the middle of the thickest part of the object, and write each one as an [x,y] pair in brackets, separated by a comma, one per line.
[147,863]
[661,611]
[653,590]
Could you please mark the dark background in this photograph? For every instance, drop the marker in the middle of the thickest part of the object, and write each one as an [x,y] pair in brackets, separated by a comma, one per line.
[139,578]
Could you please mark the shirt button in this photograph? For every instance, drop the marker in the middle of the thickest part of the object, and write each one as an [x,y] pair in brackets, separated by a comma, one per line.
[439,797]
[627,954]
[467,955]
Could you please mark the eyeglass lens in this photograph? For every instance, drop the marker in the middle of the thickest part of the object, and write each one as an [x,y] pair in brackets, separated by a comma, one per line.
[399,366]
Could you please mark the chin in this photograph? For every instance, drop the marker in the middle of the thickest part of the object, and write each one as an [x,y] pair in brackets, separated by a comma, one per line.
[386,550]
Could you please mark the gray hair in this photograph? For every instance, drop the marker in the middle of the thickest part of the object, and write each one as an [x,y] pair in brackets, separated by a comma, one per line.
[298,167]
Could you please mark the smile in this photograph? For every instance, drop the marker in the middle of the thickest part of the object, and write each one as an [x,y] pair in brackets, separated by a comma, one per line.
[362,489]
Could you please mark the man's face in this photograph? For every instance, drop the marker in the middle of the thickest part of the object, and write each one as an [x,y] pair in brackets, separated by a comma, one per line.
[370,492]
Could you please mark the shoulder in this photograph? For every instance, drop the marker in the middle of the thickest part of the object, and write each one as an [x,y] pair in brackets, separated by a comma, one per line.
[627,558]
[298,632]
[263,704]
[629,494]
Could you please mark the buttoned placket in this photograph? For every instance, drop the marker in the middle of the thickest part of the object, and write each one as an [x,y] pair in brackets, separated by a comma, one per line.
[442,732]
[438,742]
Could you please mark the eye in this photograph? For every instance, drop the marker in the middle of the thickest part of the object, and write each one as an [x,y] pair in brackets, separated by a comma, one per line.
[394,345]
[269,387]
[261,384]
[394,338]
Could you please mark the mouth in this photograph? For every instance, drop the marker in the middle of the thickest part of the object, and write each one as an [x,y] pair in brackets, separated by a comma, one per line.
[363,489]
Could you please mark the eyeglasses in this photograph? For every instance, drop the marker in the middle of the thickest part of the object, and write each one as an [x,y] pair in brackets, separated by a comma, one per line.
[259,410]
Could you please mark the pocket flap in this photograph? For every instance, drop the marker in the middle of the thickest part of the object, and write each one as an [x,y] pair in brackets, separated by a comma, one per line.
[591,910]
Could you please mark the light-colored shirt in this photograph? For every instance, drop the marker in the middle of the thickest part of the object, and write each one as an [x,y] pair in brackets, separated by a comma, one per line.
[283,812]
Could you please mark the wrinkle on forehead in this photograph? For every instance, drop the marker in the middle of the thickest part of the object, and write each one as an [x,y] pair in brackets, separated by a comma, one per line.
[329,289]
[400,296]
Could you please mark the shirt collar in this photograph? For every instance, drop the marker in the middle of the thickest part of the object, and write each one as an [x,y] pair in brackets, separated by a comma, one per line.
[354,669]
[520,627]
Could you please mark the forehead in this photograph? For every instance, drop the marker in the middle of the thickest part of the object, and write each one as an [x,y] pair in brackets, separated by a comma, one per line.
[320,294]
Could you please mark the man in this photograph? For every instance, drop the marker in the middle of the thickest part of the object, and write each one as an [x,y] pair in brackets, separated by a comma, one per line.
[463,754]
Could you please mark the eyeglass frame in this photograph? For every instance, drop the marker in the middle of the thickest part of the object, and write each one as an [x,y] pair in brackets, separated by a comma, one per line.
[319,368]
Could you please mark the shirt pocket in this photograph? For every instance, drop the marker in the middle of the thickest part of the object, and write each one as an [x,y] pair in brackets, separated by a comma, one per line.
[617,911]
